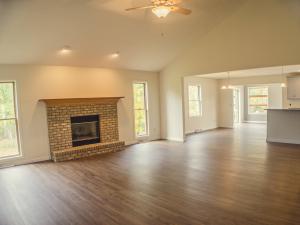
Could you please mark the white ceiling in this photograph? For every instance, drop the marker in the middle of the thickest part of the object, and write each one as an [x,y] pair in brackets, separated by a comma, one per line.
[32,31]
[267,71]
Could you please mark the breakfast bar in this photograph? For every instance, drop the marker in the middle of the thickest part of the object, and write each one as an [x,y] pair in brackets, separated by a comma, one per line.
[283,126]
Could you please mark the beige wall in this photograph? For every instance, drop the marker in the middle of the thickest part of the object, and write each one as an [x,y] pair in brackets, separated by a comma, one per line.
[209,117]
[260,34]
[172,115]
[42,82]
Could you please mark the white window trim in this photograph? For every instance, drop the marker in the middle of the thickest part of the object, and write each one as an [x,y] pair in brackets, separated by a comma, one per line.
[199,88]
[248,105]
[146,109]
[16,118]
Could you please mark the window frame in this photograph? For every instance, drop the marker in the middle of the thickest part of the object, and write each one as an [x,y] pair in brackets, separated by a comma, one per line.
[16,119]
[248,102]
[146,109]
[199,100]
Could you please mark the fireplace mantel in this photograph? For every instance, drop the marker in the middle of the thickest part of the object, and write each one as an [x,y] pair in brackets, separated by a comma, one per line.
[78,101]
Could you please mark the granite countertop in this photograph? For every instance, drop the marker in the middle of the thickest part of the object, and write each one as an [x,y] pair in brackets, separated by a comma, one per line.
[290,109]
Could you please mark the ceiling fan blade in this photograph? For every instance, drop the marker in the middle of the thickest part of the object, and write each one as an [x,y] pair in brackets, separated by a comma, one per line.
[140,7]
[177,1]
[181,10]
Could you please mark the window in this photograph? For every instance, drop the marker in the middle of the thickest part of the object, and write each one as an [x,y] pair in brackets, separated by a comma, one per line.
[257,100]
[9,141]
[195,101]
[140,109]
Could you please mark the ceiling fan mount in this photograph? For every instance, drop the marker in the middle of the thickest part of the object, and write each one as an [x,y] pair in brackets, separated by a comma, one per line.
[162,8]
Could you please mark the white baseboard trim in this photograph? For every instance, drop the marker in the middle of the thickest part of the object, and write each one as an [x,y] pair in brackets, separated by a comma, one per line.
[39,159]
[201,131]
[23,161]
[128,143]
[142,140]
[256,122]
[284,140]
[175,139]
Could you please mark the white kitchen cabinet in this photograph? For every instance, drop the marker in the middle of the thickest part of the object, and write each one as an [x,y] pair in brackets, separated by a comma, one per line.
[293,87]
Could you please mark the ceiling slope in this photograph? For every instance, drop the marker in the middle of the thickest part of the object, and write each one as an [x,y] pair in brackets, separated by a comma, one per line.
[32,31]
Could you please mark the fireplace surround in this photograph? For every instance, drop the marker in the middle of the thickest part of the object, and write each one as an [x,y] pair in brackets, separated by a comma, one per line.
[80,128]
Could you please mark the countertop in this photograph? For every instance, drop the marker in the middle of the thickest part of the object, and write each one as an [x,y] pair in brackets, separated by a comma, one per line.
[291,109]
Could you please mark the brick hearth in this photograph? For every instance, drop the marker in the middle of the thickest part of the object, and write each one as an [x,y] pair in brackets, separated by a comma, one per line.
[88,150]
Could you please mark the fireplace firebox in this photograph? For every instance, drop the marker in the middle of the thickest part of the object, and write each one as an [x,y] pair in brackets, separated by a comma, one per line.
[85,130]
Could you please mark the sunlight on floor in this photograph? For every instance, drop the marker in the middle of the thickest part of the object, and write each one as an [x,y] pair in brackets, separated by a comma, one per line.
[8,148]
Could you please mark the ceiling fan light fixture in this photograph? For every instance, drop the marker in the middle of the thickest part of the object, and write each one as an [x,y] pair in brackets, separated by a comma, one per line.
[66,50]
[161,11]
[115,55]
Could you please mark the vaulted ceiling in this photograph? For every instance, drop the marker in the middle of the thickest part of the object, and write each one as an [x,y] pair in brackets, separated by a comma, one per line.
[32,31]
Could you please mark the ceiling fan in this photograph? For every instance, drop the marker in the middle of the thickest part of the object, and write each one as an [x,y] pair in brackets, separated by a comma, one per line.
[161,8]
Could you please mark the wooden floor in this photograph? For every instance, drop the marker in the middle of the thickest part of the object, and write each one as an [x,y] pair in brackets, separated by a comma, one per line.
[222,177]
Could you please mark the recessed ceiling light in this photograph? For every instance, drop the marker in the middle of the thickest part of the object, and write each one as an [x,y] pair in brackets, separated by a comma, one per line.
[66,50]
[115,55]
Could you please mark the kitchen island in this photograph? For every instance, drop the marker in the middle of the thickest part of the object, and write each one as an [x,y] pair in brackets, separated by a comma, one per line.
[283,126]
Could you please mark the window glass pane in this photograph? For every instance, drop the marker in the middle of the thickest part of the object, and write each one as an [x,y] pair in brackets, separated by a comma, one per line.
[7,109]
[140,122]
[139,95]
[257,109]
[193,93]
[140,109]
[258,99]
[194,108]
[195,99]
[258,91]
[8,138]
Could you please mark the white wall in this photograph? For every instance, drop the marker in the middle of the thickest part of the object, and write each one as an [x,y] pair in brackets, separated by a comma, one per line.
[172,115]
[209,117]
[44,82]
[253,37]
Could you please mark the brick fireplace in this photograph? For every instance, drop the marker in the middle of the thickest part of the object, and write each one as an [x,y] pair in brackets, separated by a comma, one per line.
[80,128]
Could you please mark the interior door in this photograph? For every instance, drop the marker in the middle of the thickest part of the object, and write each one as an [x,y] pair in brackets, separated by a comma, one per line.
[226,108]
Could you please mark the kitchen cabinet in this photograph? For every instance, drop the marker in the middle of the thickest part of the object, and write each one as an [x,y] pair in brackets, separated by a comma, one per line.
[293,87]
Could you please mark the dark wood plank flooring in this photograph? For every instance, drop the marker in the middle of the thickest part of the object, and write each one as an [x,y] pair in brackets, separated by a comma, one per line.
[221,177]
